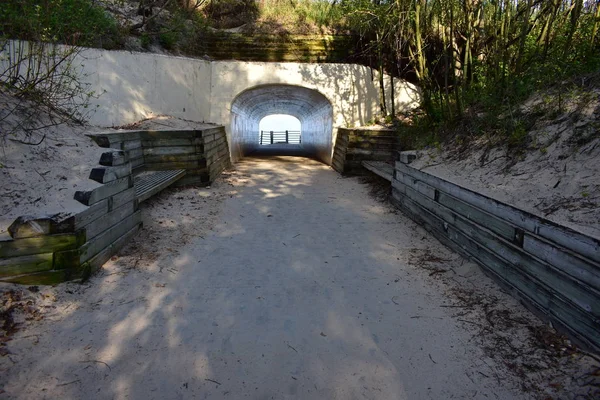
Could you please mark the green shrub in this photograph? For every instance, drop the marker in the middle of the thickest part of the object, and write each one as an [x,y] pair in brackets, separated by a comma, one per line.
[168,39]
[74,22]
[145,40]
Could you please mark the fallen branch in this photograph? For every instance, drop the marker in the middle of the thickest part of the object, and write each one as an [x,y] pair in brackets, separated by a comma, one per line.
[97,362]
[28,143]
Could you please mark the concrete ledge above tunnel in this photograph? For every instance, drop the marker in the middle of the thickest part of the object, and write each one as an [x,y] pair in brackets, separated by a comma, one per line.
[313,109]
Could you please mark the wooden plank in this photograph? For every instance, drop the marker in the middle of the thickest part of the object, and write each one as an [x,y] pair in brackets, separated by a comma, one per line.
[572,289]
[580,324]
[168,166]
[161,181]
[93,212]
[153,159]
[216,144]
[107,221]
[113,158]
[217,140]
[169,134]
[96,262]
[416,184]
[568,238]
[341,157]
[38,245]
[122,198]
[358,158]
[382,142]
[496,225]
[108,237]
[342,140]
[172,142]
[371,132]
[569,262]
[110,174]
[337,162]
[170,151]
[135,153]
[381,169]
[216,154]
[137,163]
[217,130]
[66,259]
[208,138]
[375,147]
[212,134]
[32,226]
[502,228]
[12,266]
[406,157]
[42,278]
[221,148]
[368,152]
[115,138]
[131,145]
[109,189]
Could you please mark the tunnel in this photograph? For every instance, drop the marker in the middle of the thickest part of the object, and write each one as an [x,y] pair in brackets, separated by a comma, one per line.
[312,108]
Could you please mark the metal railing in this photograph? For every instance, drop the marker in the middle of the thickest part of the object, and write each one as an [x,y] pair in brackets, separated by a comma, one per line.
[280,137]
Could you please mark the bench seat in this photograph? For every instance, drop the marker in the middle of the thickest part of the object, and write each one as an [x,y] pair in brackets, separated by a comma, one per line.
[149,183]
[381,168]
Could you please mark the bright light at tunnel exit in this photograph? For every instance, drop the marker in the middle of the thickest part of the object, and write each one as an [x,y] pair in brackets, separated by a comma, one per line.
[278,123]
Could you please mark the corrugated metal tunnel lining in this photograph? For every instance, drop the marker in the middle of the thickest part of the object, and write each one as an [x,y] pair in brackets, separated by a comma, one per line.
[312,109]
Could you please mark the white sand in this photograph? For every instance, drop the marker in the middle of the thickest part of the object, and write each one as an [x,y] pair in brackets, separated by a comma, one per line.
[557,178]
[285,280]
[42,179]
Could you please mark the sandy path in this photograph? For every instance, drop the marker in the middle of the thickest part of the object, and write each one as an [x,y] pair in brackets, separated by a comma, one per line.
[284,280]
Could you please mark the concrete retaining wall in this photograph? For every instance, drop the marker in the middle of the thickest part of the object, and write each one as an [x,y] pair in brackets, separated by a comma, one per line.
[553,269]
[133,86]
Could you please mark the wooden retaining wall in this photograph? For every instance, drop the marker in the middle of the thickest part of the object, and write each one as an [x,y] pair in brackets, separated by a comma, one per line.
[281,48]
[203,153]
[58,248]
[553,269]
[353,146]
[61,247]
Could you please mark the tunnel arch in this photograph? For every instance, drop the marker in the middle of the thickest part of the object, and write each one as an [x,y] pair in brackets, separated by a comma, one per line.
[311,107]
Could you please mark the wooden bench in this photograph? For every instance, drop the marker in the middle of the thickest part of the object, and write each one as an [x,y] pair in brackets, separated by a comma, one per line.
[149,183]
[45,250]
[381,168]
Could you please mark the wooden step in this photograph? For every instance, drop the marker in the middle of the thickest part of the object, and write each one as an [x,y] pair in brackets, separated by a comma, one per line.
[149,183]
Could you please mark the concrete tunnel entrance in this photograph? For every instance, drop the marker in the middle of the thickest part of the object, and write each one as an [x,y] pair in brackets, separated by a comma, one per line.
[313,110]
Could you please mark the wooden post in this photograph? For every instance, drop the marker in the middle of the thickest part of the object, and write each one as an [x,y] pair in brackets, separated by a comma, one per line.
[271,137]
[287,138]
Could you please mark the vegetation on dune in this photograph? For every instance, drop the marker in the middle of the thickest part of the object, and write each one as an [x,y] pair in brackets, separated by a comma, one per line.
[477,58]
[473,59]
[76,22]
[42,70]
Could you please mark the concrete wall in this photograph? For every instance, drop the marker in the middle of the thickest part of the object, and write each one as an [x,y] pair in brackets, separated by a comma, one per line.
[133,86]
[352,90]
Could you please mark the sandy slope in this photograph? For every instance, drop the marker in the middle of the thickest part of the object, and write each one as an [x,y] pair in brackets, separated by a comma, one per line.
[556,177]
[285,280]
[42,179]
